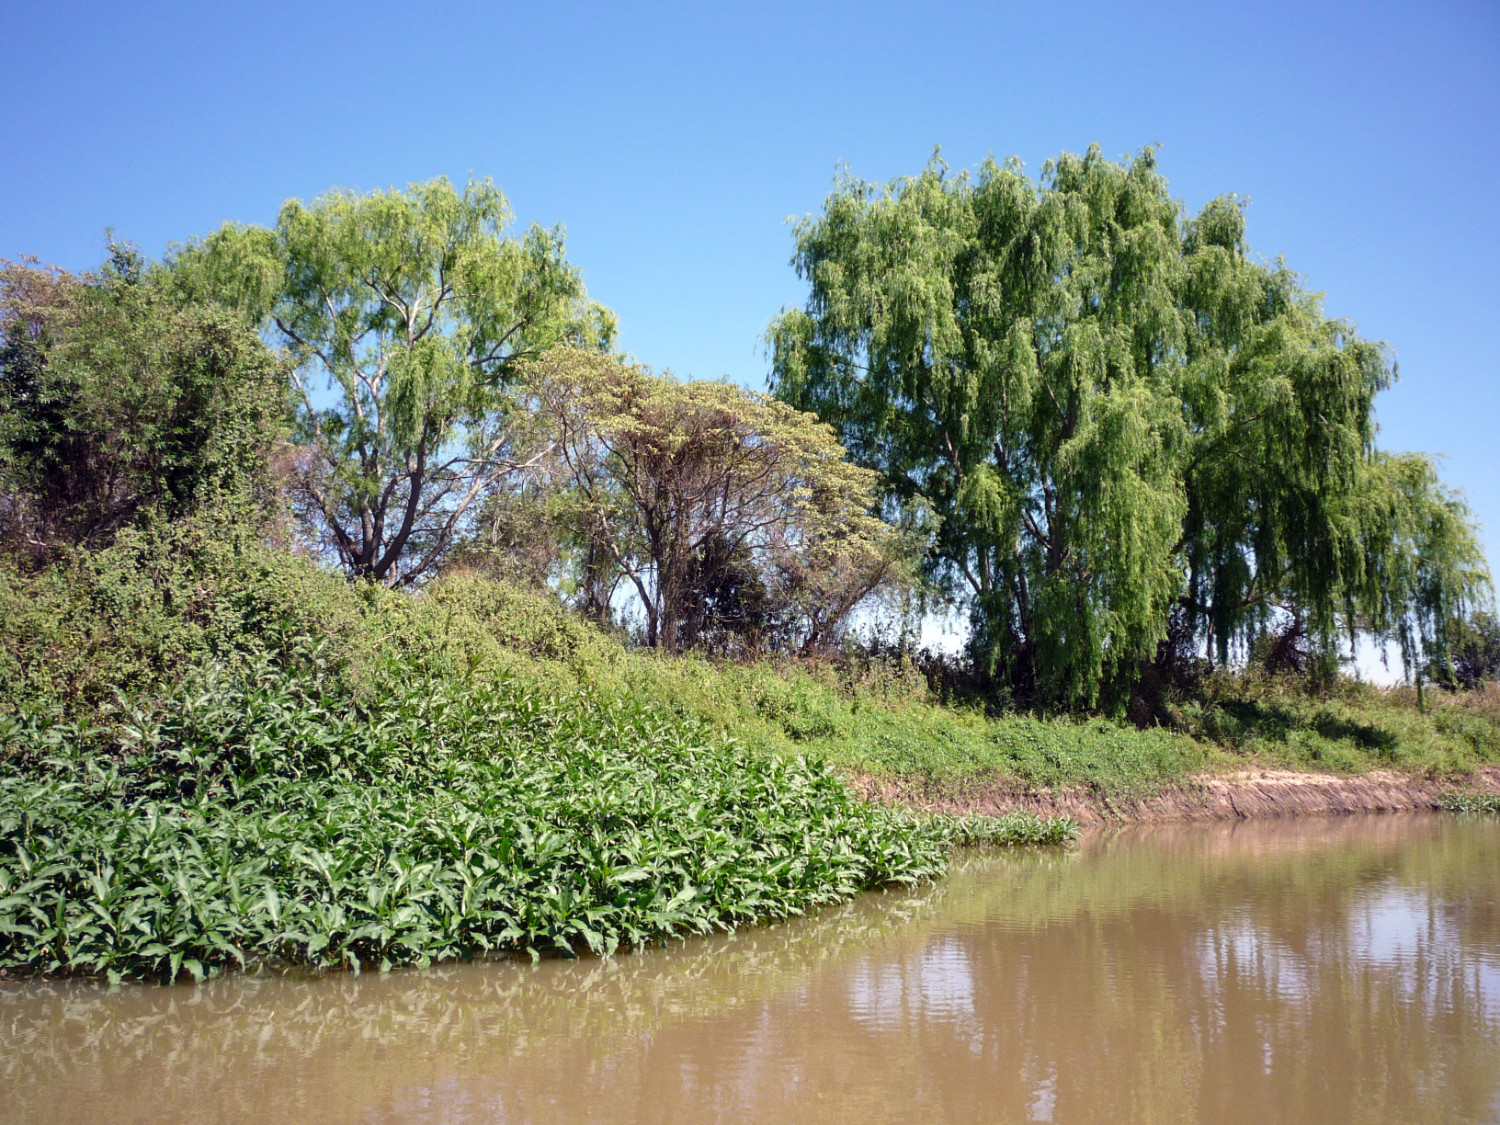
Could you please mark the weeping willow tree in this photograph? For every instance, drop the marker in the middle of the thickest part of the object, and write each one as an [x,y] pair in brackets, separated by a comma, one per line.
[1121,419]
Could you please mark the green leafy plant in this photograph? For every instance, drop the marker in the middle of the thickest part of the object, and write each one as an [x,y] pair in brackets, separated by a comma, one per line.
[1468,801]
[267,815]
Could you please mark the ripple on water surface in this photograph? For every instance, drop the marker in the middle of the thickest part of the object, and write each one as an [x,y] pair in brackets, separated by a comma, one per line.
[1318,970]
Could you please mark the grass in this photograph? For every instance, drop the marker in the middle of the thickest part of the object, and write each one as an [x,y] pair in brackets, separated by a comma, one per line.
[1350,729]
[879,718]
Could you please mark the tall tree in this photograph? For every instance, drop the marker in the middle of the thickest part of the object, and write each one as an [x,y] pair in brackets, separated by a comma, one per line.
[1117,414]
[414,308]
[735,518]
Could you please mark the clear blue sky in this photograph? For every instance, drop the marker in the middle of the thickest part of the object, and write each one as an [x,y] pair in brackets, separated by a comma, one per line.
[673,142]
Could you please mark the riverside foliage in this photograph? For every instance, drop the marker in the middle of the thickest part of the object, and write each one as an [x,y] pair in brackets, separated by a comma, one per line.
[737,520]
[216,754]
[1466,801]
[1131,430]
[263,816]
[214,751]
[415,307]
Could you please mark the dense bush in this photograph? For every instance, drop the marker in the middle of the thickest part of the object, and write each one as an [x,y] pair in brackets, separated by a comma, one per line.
[119,403]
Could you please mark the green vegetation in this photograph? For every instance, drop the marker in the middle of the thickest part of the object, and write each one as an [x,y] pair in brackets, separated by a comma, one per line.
[1132,432]
[1345,726]
[224,754]
[414,308]
[505,643]
[736,520]
[129,619]
[1474,657]
[1466,801]
[220,754]
[120,404]
[266,817]
[884,721]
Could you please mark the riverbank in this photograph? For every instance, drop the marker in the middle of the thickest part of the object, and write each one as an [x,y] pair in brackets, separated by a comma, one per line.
[213,754]
[131,625]
[229,762]
[1244,795]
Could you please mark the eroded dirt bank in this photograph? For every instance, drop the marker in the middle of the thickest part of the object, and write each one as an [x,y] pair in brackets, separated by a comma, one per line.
[1252,793]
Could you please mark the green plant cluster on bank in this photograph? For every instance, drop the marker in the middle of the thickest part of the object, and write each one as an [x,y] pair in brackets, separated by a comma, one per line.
[216,754]
[1468,801]
[269,817]
[130,619]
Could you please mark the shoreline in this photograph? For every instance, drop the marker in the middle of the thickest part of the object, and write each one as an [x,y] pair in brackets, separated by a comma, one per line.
[1248,794]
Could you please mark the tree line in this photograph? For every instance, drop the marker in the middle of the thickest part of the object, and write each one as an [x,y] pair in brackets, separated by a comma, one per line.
[1121,443]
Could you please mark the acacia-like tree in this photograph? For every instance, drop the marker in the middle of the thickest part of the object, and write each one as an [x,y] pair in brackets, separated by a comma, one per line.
[730,514]
[413,307]
[1118,415]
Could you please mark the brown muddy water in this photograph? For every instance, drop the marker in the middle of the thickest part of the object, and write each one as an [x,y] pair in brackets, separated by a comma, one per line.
[1339,970]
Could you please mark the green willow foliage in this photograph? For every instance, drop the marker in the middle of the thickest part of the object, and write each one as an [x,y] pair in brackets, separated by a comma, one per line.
[1119,417]
[268,816]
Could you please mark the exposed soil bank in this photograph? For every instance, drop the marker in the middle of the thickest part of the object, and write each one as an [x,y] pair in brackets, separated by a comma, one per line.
[1252,793]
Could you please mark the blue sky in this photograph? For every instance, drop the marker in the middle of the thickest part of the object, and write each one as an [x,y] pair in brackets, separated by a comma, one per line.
[674,141]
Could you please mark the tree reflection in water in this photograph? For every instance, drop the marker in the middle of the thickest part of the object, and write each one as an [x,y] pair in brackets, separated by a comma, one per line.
[1327,970]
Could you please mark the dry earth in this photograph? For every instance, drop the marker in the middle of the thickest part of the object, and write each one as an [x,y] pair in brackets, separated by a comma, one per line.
[1251,793]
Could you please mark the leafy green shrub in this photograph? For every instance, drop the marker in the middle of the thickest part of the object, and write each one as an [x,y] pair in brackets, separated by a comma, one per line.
[1017,827]
[121,404]
[132,618]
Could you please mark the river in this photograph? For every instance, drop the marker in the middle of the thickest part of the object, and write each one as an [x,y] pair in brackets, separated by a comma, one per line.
[1319,970]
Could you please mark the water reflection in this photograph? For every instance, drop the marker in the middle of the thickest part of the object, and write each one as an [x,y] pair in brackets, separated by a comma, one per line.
[1336,970]
[935,985]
